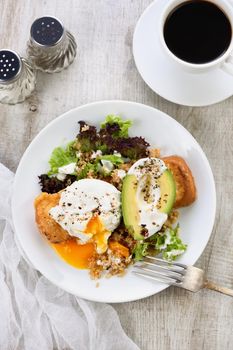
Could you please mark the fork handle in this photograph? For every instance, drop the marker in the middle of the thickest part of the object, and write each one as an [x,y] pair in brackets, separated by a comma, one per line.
[217,288]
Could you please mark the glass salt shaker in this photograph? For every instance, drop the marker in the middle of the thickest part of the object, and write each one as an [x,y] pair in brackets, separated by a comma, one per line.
[51,48]
[17,77]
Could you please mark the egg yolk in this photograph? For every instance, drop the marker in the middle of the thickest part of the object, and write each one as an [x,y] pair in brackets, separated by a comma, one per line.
[75,254]
[100,234]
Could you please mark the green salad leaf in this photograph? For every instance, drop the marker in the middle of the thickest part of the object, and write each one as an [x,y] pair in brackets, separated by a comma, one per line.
[87,138]
[62,156]
[140,250]
[114,158]
[88,167]
[112,136]
[123,126]
[168,243]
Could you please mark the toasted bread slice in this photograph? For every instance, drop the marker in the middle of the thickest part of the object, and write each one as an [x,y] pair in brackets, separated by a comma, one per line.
[46,224]
[186,192]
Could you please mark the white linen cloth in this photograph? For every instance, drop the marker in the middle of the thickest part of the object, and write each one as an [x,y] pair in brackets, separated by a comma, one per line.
[37,315]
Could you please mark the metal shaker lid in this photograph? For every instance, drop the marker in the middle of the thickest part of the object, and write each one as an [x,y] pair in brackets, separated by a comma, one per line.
[47,31]
[10,66]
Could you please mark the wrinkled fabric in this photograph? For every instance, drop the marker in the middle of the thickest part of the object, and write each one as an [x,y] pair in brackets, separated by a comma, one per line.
[34,313]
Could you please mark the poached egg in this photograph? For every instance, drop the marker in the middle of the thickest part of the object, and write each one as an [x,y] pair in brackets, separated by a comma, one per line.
[148,194]
[89,210]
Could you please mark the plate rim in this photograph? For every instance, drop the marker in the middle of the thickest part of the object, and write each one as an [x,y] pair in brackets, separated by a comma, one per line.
[64,115]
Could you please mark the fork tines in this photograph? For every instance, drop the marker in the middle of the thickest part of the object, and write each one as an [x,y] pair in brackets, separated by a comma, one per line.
[160,270]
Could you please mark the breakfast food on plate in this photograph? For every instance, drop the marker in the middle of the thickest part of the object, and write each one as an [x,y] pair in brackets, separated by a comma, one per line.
[53,232]
[186,190]
[109,199]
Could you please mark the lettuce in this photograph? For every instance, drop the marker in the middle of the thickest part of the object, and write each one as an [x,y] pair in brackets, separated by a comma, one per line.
[116,126]
[82,174]
[62,156]
[53,185]
[131,147]
[112,136]
[168,243]
[113,158]
[87,138]
[140,251]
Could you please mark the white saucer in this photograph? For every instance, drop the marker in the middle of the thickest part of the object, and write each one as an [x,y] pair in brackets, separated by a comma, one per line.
[164,77]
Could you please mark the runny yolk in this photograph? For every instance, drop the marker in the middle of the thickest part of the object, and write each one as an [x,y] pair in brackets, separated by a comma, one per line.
[100,234]
[75,254]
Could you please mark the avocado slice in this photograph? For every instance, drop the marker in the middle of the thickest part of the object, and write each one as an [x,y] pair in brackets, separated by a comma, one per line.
[168,191]
[130,208]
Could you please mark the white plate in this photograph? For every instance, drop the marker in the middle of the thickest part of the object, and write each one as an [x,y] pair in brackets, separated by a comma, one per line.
[167,79]
[160,130]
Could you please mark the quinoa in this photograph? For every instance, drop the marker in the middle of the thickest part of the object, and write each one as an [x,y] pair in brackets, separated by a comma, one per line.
[108,264]
[126,166]
[111,262]
[154,153]
[116,180]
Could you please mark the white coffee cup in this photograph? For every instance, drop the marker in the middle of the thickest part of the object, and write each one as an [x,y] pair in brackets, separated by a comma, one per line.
[225,61]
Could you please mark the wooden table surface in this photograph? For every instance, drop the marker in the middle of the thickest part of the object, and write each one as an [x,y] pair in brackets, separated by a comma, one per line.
[105,69]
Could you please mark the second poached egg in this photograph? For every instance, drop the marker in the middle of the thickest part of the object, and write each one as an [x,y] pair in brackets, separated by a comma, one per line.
[148,194]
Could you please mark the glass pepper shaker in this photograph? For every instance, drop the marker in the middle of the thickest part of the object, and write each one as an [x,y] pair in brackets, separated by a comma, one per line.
[51,48]
[17,78]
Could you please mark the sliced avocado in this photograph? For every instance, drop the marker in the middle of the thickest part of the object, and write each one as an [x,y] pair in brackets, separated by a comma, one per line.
[168,191]
[130,208]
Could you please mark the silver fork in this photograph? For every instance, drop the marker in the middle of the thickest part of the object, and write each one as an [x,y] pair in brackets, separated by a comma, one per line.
[176,274]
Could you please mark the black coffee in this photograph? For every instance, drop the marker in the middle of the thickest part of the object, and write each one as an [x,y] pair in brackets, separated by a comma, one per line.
[197,31]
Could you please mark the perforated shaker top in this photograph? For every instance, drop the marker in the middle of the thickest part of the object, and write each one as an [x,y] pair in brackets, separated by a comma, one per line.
[10,65]
[47,31]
